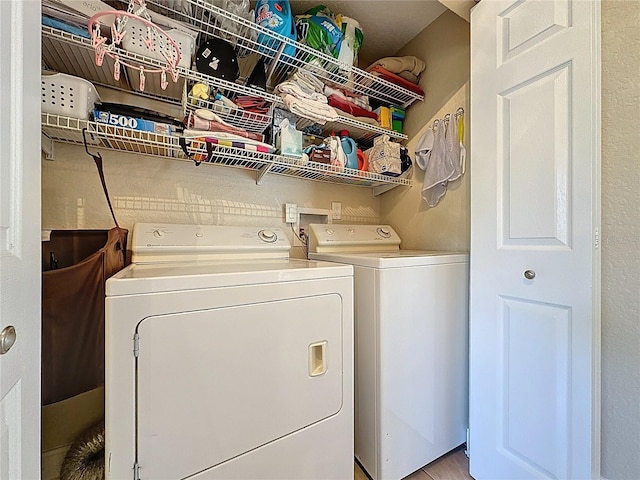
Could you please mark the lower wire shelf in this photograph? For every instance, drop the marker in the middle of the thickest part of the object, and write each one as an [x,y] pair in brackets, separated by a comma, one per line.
[69,130]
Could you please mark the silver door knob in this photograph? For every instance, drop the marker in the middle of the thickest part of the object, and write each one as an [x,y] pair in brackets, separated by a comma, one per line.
[529,274]
[7,339]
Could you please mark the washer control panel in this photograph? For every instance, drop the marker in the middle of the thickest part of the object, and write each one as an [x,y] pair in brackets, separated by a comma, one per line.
[352,237]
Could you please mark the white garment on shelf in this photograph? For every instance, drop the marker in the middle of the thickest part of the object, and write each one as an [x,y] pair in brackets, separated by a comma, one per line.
[308,80]
[316,111]
[338,157]
[300,91]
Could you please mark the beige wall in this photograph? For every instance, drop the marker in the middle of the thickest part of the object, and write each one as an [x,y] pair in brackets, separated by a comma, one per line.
[150,189]
[620,239]
[444,45]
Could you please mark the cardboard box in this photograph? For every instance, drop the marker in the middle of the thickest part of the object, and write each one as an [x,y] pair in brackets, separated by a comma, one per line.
[125,121]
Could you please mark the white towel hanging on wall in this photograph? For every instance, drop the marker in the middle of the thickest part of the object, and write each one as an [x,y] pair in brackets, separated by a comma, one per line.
[440,153]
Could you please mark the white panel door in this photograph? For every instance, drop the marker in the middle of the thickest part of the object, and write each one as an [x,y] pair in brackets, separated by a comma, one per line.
[534,318]
[20,240]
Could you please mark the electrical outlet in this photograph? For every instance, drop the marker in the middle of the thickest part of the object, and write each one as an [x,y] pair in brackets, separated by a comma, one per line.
[290,213]
[336,210]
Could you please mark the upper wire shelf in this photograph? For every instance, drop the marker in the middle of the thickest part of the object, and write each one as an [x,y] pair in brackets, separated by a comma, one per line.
[74,55]
[70,130]
[243,34]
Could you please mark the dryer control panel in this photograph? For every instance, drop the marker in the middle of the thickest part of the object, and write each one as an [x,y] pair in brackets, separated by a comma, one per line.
[153,242]
[352,238]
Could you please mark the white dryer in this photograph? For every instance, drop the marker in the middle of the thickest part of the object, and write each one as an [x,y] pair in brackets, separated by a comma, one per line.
[226,359]
[411,324]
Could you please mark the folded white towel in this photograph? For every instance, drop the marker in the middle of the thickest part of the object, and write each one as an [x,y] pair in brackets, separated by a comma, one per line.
[307,79]
[316,111]
[298,91]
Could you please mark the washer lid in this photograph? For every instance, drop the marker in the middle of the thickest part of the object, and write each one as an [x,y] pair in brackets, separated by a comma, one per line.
[171,277]
[395,259]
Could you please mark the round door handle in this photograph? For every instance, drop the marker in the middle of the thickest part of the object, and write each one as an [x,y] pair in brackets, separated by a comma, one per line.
[7,339]
[529,274]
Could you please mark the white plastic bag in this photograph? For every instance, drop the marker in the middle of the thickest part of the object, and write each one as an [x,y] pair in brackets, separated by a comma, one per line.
[384,156]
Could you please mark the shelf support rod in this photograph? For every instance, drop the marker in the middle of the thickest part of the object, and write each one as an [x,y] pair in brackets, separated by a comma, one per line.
[47,147]
[274,62]
[261,172]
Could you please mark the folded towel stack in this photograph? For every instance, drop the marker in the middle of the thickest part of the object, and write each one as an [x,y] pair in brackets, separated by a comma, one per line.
[408,67]
[302,94]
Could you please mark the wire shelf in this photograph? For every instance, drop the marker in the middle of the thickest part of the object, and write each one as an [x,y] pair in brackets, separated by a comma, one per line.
[74,55]
[69,130]
[252,122]
[243,34]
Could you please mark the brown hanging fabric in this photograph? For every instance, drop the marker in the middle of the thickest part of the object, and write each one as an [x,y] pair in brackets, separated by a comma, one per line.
[73,294]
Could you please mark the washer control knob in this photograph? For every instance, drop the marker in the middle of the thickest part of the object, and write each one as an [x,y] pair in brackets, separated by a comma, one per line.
[199,234]
[384,232]
[267,236]
[329,231]
[158,233]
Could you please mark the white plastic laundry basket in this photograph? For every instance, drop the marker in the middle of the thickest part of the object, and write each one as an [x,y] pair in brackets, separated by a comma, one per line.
[67,95]
[134,41]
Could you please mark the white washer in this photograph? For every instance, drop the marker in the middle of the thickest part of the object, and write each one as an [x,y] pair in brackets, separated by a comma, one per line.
[226,359]
[411,324]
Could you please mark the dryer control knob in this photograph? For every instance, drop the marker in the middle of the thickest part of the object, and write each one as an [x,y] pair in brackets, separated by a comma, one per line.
[267,236]
[383,232]
[158,233]
[329,231]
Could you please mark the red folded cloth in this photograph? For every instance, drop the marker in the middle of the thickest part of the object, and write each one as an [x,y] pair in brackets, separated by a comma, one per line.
[341,104]
[385,74]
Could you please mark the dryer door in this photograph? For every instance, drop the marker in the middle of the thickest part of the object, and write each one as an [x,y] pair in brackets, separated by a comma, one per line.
[214,384]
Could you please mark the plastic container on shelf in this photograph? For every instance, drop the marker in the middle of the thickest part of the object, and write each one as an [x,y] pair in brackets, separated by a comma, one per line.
[135,42]
[351,41]
[276,16]
[350,149]
[67,95]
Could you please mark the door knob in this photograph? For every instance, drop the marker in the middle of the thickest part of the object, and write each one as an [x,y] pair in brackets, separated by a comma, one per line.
[7,339]
[529,274]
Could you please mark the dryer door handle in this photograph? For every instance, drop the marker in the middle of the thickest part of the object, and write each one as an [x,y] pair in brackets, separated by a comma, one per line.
[317,355]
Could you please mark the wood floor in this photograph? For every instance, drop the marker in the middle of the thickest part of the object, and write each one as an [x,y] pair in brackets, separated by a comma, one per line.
[452,466]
